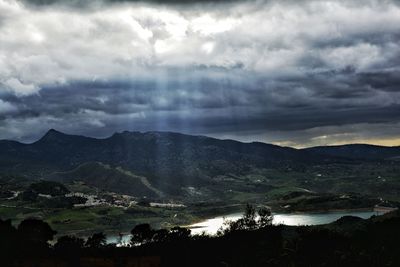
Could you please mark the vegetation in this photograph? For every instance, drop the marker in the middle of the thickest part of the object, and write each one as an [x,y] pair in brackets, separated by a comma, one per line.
[251,241]
[105,177]
[48,188]
[113,181]
[249,221]
[170,165]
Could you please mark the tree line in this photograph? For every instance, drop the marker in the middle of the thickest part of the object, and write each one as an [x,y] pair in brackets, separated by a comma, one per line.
[250,241]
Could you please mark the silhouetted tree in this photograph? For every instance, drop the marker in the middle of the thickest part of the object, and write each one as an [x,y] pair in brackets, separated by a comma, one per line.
[178,234]
[97,240]
[141,234]
[69,243]
[8,242]
[248,221]
[7,231]
[35,232]
[69,248]
[160,235]
[8,236]
[265,217]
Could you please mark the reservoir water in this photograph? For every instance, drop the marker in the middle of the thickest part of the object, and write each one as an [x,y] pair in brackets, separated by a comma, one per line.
[212,225]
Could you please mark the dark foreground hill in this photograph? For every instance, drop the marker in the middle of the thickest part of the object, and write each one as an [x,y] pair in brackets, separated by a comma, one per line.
[348,242]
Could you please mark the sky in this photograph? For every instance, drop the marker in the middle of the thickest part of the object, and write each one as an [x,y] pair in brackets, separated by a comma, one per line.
[293,73]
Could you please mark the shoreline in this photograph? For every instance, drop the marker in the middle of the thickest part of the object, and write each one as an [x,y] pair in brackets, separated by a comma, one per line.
[329,211]
[370,209]
[227,213]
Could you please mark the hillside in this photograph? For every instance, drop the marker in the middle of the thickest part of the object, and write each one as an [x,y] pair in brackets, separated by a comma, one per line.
[107,178]
[164,163]
[164,158]
[358,151]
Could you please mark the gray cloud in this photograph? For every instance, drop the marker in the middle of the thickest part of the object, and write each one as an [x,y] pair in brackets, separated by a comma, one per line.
[205,107]
[290,72]
[80,3]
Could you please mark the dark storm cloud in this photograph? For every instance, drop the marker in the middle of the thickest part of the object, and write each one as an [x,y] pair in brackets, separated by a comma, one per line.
[209,106]
[387,81]
[290,72]
[86,2]
[180,2]
[95,3]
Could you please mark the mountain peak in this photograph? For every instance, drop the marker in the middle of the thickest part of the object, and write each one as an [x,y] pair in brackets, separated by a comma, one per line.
[52,132]
[51,135]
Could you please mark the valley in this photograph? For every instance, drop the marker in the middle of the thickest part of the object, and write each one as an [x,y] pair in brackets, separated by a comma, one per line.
[82,185]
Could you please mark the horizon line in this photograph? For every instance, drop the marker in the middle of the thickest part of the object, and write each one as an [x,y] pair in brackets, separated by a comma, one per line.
[195,135]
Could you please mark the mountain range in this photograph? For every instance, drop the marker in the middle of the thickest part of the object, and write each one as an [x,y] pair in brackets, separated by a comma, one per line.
[154,163]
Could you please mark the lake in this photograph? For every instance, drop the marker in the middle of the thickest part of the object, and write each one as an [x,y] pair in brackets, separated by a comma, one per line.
[211,226]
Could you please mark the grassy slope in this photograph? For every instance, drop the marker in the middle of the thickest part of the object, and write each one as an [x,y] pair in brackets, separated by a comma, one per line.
[105,177]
